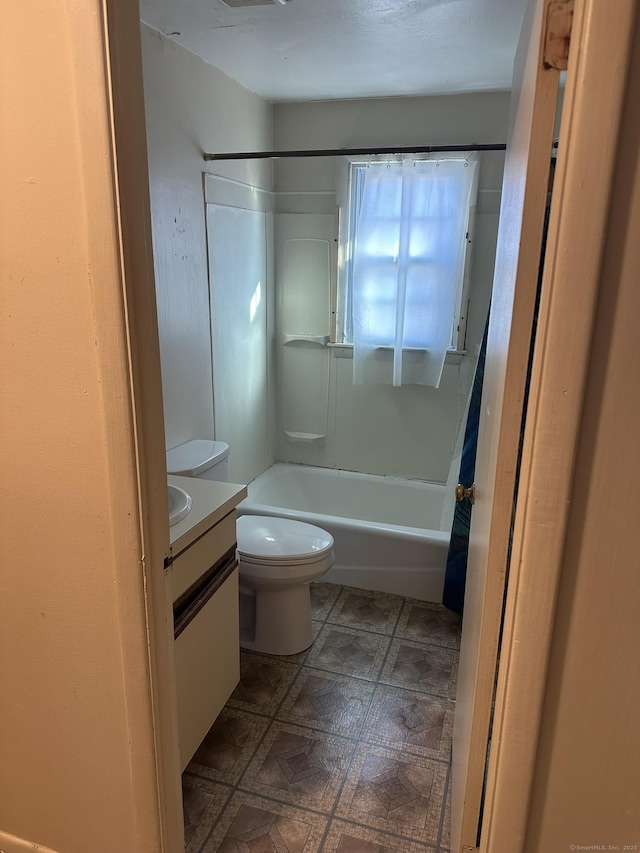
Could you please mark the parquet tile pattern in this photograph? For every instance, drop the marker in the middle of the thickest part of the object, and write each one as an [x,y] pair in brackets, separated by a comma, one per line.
[344,748]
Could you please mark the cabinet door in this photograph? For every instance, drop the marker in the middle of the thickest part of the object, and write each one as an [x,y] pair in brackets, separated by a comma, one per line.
[207,657]
[195,561]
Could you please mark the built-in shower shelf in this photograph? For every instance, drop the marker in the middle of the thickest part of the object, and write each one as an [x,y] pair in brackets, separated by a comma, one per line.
[321,340]
[304,436]
[304,282]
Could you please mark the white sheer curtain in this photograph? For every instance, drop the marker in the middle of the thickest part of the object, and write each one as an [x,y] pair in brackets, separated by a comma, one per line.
[408,265]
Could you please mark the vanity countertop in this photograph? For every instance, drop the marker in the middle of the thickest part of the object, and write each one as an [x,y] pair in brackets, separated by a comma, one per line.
[211,501]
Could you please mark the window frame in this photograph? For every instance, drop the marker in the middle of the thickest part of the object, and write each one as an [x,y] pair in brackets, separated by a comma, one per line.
[347,229]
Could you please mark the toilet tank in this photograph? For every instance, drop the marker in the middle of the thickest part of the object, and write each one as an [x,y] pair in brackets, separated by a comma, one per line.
[207,460]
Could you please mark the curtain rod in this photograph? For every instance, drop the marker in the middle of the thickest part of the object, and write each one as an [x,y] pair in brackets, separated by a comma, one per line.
[342,152]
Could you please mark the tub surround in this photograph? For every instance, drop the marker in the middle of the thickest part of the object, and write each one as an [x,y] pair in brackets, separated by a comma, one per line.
[360,419]
[192,107]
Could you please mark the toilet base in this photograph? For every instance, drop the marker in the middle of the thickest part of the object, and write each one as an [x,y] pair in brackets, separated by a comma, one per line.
[282,622]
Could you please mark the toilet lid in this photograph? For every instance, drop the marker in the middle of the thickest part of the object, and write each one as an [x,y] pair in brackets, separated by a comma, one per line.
[281,540]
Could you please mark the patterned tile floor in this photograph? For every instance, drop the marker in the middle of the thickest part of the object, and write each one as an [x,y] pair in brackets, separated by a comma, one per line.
[344,748]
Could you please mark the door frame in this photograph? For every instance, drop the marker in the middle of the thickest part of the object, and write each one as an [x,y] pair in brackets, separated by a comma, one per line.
[595,88]
[600,40]
[520,236]
[131,186]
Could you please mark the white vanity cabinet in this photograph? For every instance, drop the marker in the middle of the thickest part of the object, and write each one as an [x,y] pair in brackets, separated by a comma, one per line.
[203,584]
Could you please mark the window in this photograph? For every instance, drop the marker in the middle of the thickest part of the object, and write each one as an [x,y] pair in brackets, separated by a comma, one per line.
[404,272]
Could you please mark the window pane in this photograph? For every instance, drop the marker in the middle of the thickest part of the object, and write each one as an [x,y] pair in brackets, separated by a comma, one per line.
[408,247]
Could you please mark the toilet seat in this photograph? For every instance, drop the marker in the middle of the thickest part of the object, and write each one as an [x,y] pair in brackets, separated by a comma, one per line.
[267,540]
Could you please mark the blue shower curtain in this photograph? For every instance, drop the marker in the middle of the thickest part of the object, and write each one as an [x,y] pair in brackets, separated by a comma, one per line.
[456,570]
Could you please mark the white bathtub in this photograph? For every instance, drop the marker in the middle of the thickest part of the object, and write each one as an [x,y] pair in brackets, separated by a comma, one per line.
[386,529]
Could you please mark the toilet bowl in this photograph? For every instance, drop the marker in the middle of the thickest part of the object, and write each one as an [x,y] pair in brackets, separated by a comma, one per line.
[278,559]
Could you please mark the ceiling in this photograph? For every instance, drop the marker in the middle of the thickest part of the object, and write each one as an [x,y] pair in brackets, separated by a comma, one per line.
[306,50]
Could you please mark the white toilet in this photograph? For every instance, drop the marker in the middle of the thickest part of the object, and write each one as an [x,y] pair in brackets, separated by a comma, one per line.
[278,558]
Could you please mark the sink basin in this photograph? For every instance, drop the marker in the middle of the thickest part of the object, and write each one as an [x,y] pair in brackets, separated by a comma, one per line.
[179,504]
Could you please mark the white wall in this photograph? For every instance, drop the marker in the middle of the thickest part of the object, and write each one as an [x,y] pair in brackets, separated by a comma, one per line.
[408,431]
[240,286]
[191,108]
